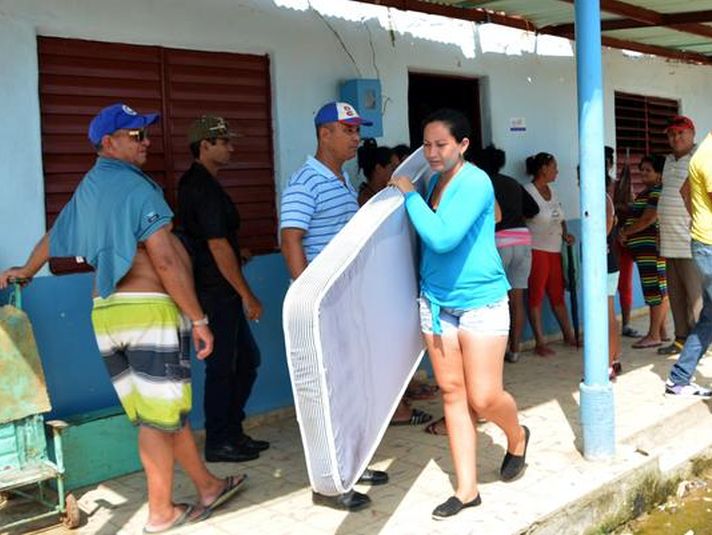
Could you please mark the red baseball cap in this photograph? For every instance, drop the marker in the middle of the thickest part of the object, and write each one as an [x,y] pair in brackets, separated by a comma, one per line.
[680,122]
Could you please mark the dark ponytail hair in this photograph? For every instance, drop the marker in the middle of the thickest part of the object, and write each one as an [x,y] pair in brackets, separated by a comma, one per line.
[535,163]
[456,122]
[656,161]
[369,154]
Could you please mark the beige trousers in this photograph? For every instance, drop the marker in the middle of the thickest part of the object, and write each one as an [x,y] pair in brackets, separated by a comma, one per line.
[685,291]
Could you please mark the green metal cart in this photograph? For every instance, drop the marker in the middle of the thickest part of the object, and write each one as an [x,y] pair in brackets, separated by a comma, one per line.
[24,463]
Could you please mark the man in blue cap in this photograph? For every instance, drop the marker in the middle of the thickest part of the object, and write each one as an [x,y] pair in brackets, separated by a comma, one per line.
[317,203]
[144,305]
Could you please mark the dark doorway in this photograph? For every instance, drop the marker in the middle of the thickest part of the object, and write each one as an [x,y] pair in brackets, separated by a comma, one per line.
[427,93]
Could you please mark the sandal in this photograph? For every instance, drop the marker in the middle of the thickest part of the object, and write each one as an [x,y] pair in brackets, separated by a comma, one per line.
[438,427]
[232,485]
[646,343]
[422,391]
[181,520]
[544,351]
[417,417]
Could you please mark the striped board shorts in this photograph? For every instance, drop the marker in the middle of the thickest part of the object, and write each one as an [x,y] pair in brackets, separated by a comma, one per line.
[145,343]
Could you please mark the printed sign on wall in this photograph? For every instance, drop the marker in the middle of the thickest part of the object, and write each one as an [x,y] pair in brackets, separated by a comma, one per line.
[517,124]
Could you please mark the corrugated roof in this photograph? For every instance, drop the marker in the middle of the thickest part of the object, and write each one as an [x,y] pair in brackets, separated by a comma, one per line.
[680,29]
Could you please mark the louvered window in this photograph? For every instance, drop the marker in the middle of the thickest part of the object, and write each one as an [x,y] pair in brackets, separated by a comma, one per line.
[77,78]
[640,129]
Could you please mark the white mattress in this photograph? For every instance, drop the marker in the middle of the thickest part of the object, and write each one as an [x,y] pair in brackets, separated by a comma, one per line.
[352,336]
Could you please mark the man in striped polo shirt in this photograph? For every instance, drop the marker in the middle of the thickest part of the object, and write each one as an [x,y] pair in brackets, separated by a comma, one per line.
[317,203]
[683,277]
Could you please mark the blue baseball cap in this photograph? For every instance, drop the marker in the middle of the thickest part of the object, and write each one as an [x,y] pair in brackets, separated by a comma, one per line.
[116,117]
[339,112]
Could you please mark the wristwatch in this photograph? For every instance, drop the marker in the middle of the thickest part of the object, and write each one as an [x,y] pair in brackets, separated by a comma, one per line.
[201,322]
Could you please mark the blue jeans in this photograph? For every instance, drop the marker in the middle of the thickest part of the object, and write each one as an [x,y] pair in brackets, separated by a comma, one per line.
[701,336]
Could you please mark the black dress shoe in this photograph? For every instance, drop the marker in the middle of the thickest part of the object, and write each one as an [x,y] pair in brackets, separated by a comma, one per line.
[247,442]
[452,506]
[513,465]
[373,477]
[227,453]
[351,501]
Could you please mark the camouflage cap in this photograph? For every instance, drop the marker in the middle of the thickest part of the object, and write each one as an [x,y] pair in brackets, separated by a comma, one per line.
[209,127]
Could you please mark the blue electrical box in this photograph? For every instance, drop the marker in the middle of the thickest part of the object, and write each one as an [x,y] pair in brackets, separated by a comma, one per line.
[365,96]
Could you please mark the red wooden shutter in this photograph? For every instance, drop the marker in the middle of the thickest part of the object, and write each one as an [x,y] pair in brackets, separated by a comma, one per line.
[640,129]
[237,88]
[77,78]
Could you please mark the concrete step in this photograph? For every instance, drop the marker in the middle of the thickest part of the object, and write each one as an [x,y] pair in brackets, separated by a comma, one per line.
[650,464]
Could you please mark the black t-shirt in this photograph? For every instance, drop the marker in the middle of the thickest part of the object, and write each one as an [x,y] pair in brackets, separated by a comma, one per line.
[612,253]
[515,202]
[205,211]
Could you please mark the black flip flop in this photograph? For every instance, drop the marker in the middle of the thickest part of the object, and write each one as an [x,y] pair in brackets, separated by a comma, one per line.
[182,520]
[233,484]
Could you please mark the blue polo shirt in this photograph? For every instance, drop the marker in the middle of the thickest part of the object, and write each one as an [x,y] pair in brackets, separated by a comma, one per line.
[115,207]
[316,201]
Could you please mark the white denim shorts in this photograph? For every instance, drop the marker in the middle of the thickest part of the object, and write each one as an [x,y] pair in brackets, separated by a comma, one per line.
[612,283]
[492,320]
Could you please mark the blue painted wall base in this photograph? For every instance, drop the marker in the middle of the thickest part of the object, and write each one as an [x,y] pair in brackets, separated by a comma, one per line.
[60,307]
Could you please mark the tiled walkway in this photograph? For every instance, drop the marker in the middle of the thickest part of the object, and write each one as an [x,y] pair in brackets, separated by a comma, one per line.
[277,499]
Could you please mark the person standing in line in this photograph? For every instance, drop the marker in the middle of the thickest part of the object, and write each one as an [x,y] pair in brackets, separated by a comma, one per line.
[614,336]
[210,223]
[697,197]
[620,192]
[464,314]
[377,164]
[683,277]
[640,235]
[513,238]
[548,229]
[316,204]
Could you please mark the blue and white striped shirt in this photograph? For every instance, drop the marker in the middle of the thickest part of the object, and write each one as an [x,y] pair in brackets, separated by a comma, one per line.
[315,200]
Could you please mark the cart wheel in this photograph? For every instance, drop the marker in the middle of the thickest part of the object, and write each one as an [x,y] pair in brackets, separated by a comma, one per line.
[72,516]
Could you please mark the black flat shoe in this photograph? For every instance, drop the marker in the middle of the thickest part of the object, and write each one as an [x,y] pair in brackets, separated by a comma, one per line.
[373,477]
[350,501]
[227,453]
[513,465]
[452,506]
[248,443]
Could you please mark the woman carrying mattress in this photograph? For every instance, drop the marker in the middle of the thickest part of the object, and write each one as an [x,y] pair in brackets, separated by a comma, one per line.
[463,305]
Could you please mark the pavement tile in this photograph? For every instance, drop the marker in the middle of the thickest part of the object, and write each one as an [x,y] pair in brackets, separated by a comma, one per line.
[277,499]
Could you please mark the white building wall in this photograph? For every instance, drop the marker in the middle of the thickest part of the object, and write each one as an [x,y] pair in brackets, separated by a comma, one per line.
[22,219]
[522,77]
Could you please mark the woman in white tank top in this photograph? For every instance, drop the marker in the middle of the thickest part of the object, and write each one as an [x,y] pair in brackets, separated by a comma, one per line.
[548,230]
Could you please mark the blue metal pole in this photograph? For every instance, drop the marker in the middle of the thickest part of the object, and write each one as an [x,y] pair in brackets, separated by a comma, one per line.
[597,409]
